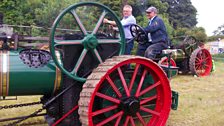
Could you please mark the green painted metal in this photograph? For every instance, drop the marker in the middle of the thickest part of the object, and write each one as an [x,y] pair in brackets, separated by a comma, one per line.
[24,80]
[175,97]
[89,42]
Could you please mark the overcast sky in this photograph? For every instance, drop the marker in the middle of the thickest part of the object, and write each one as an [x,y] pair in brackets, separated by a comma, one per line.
[210,14]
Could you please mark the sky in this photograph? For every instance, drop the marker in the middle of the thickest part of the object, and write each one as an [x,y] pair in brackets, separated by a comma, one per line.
[209,14]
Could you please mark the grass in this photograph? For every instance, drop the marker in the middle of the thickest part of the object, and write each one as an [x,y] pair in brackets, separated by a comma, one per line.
[201,102]
[22,111]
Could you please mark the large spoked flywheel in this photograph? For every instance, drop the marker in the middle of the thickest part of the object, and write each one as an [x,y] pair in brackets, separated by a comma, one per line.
[80,34]
[200,62]
[123,91]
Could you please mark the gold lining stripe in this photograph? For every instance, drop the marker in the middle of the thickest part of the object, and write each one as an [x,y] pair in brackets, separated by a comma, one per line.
[7,93]
[57,81]
[1,73]
[5,73]
[58,77]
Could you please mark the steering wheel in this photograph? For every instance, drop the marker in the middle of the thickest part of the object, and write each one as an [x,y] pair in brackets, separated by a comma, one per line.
[139,34]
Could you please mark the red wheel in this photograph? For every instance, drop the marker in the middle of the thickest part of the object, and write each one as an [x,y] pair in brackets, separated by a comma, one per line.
[125,90]
[164,61]
[200,62]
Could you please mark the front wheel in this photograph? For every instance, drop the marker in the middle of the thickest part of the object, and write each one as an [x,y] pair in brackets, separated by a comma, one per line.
[125,90]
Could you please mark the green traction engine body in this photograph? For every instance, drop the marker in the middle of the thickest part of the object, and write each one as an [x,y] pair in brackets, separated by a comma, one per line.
[84,78]
[19,79]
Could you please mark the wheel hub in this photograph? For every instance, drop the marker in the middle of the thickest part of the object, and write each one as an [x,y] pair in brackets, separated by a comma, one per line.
[130,105]
[90,41]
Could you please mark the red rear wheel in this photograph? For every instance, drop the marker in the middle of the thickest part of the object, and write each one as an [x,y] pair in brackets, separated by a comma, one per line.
[164,61]
[200,62]
[125,90]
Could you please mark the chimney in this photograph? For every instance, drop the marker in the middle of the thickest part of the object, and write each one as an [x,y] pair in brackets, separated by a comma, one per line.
[1,18]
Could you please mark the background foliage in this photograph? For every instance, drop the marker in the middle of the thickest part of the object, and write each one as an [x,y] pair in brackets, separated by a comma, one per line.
[178,15]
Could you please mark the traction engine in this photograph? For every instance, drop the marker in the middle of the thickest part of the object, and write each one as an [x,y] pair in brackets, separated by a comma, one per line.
[84,78]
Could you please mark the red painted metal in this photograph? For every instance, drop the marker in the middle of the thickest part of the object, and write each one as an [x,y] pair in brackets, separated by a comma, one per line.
[143,67]
[64,116]
[164,61]
[201,62]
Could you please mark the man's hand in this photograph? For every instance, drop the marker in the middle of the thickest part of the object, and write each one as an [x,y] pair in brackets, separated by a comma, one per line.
[105,20]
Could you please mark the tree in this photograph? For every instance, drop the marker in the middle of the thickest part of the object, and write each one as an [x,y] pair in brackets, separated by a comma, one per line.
[181,13]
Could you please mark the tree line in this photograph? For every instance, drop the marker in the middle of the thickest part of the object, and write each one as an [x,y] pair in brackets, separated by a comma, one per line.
[178,15]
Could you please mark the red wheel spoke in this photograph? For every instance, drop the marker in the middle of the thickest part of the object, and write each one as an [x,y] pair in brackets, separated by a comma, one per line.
[126,121]
[197,66]
[79,62]
[118,120]
[123,81]
[150,111]
[197,63]
[141,119]
[99,22]
[201,67]
[110,118]
[207,58]
[132,121]
[114,100]
[98,56]
[206,65]
[140,83]
[81,26]
[197,59]
[133,77]
[148,99]
[104,110]
[113,86]
[150,88]
[67,42]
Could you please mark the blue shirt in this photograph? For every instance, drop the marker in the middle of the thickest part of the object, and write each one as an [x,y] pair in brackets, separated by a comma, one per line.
[126,23]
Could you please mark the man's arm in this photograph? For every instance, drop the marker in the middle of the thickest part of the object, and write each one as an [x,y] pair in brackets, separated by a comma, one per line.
[105,20]
[156,25]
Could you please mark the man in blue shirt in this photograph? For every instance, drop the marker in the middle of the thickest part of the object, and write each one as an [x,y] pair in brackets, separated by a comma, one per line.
[157,36]
[127,20]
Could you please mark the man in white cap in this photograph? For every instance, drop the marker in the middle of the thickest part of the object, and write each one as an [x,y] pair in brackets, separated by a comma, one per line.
[157,36]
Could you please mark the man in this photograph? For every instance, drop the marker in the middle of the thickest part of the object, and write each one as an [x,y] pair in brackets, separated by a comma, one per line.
[157,36]
[127,20]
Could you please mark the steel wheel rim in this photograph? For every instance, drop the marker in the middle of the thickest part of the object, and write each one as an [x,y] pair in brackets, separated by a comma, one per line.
[87,46]
[162,98]
[202,62]
[164,61]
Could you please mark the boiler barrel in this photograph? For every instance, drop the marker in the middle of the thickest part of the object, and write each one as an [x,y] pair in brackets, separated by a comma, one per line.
[179,55]
[18,79]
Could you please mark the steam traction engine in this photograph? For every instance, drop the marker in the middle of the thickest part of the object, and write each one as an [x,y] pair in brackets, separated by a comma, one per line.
[85,80]
[191,56]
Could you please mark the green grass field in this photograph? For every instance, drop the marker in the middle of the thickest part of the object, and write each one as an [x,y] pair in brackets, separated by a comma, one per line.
[201,101]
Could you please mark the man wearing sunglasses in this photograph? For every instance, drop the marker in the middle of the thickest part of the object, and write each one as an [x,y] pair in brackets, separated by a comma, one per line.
[157,36]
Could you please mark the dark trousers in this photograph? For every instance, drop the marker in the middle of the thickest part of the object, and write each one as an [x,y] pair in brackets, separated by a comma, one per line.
[150,50]
[128,46]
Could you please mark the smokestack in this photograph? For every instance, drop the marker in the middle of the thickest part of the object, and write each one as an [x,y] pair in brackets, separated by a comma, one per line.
[1,18]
